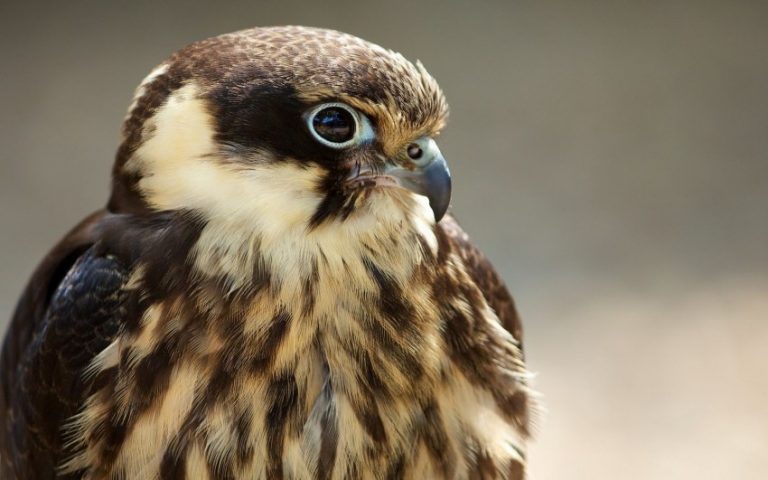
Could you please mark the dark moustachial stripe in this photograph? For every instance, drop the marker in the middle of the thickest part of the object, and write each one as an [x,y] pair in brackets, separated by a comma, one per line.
[332,204]
[350,203]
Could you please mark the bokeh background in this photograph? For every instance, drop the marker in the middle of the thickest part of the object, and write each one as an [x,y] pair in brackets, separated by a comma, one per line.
[610,157]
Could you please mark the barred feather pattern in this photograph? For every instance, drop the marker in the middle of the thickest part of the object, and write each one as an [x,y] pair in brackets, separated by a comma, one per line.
[383,361]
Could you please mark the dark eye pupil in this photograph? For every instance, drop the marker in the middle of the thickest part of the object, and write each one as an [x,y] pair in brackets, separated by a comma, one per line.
[334,124]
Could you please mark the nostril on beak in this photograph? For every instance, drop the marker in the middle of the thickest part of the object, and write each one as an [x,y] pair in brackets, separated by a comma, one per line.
[414,151]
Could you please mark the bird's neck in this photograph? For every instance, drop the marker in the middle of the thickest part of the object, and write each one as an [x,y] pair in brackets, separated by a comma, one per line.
[344,294]
[297,262]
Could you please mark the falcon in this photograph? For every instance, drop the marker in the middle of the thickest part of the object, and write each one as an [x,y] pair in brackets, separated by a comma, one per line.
[275,289]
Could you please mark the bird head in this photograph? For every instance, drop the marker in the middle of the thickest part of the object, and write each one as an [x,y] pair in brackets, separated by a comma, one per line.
[285,127]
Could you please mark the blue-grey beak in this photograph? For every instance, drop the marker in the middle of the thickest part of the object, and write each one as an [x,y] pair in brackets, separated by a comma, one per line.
[428,175]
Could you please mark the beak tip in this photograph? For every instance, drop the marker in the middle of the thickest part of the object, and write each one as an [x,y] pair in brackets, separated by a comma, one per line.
[439,185]
[440,198]
[438,210]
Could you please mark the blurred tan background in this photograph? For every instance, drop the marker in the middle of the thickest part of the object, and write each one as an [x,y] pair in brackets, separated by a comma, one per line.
[610,157]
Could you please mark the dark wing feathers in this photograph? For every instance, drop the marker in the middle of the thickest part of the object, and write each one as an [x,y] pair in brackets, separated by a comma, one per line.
[33,303]
[45,385]
[485,276]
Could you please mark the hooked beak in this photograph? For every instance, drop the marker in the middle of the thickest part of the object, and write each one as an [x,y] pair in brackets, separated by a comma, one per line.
[427,175]
[432,180]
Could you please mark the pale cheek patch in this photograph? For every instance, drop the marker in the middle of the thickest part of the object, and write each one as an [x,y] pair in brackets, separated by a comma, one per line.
[259,214]
[182,168]
[181,129]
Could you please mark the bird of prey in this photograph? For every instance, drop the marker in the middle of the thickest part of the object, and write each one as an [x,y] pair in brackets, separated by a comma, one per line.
[274,289]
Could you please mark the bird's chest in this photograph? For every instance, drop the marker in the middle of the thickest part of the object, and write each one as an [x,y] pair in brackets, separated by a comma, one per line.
[313,422]
[340,389]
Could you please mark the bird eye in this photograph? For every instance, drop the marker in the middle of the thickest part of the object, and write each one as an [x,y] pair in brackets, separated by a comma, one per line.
[337,125]
[334,124]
